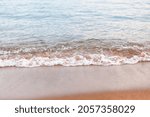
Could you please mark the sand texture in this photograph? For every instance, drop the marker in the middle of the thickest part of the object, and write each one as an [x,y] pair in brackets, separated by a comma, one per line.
[85,82]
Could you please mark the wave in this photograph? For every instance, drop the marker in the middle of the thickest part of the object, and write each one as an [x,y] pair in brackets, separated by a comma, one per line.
[75,53]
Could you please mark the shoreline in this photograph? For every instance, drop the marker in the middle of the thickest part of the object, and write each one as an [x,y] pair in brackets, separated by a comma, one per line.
[85,82]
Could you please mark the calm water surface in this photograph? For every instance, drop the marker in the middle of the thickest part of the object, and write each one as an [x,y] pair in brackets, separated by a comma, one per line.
[74,19]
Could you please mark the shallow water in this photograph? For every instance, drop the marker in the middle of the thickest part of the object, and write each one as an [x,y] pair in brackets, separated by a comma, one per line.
[74,32]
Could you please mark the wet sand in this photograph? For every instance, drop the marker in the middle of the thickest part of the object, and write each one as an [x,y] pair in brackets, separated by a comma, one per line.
[85,82]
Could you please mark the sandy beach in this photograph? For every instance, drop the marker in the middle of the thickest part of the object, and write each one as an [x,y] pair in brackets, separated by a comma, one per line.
[112,95]
[83,82]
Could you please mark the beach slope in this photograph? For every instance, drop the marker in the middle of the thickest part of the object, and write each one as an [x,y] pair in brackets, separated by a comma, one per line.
[84,82]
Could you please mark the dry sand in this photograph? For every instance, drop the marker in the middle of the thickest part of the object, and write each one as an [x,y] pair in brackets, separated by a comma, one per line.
[85,82]
[112,95]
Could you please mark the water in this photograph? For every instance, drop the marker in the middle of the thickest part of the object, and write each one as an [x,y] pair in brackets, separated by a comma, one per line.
[74,32]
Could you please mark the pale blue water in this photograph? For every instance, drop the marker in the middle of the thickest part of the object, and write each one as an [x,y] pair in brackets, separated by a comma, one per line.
[74,19]
[105,30]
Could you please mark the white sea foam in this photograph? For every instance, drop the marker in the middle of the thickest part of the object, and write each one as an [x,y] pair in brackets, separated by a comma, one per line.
[75,53]
[94,59]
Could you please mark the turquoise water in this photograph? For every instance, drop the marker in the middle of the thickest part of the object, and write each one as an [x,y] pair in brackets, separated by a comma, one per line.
[56,29]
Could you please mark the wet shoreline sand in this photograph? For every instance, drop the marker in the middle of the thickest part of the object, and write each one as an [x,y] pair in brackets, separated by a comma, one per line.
[83,82]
